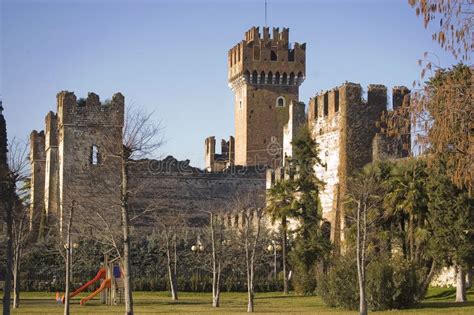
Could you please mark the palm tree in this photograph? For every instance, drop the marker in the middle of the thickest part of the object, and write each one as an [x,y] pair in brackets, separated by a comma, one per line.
[279,207]
[406,202]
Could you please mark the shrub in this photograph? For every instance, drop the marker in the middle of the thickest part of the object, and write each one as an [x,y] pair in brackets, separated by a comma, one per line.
[379,285]
[391,283]
[339,288]
[405,283]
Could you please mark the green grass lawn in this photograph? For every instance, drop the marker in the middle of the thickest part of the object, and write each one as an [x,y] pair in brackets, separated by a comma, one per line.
[438,301]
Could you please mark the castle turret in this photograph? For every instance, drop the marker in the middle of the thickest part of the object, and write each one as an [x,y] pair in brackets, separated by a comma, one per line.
[51,183]
[89,142]
[264,73]
[38,174]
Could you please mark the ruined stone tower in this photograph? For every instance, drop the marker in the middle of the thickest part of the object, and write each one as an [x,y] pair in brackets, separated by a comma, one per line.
[77,156]
[265,73]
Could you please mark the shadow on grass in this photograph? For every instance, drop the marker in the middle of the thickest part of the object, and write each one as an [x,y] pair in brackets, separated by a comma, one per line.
[445,294]
[443,305]
[179,302]
[280,297]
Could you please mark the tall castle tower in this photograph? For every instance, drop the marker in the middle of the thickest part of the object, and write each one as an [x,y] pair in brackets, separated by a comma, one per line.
[265,74]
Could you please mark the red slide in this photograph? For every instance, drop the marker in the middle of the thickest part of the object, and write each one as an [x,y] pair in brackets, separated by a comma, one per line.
[100,275]
[105,284]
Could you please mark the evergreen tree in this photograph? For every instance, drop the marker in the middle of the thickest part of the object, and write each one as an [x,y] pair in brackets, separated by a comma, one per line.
[310,247]
[452,220]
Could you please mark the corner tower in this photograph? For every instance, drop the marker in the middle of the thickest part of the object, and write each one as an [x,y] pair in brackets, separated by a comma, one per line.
[265,73]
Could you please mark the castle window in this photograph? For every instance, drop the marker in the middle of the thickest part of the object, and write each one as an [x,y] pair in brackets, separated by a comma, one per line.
[280,102]
[254,77]
[256,53]
[277,78]
[240,104]
[270,78]
[299,80]
[284,78]
[262,77]
[247,76]
[95,156]
[326,105]
[273,55]
[291,55]
[336,101]
[292,79]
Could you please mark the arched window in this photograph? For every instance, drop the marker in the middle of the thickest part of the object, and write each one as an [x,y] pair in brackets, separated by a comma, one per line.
[273,55]
[254,77]
[292,78]
[280,101]
[270,78]
[262,77]
[277,78]
[300,78]
[284,79]
[247,76]
[95,155]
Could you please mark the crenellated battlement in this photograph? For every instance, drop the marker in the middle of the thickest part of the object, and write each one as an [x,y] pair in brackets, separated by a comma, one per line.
[267,60]
[215,162]
[90,111]
[51,122]
[37,146]
[326,105]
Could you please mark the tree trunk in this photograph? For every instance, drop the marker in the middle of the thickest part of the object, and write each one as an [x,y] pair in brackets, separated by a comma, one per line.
[17,262]
[9,253]
[460,284]
[126,239]
[250,258]
[16,275]
[215,267]
[172,278]
[248,261]
[360,238]
[68,261]
[469,278]
[426,283]
[283,253]
[171,269]
[411,237]
[403,235]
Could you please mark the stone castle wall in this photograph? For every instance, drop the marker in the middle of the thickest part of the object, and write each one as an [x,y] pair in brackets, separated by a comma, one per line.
[77,161]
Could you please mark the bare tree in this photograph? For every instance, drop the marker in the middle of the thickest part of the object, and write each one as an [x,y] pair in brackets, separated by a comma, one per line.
[68,260]
[140,137]
[218,252]
[13,171]
[364,194]
[20,236]
[171,226]
[216,259]
[251,233]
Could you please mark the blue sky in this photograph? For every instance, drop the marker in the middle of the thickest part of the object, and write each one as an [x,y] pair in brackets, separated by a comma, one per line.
[171,56]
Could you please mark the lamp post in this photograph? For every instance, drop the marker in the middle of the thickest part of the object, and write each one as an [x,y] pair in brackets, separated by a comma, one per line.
[196,249]
[273,247]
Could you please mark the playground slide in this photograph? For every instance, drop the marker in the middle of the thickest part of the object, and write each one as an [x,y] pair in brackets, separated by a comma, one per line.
[100,275]
[105,284]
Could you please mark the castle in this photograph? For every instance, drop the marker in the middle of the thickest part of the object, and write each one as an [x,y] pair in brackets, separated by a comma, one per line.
[265,73]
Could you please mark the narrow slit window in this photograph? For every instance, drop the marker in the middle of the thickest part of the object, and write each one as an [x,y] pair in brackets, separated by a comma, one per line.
[95,156]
